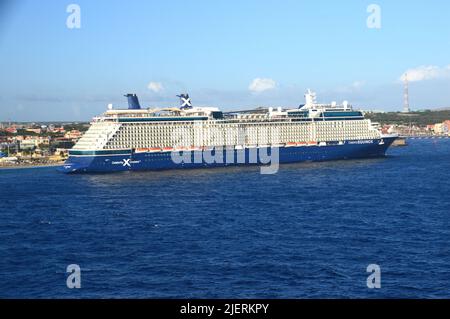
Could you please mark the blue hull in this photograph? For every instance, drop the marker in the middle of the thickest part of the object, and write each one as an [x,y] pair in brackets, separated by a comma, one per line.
[130,161]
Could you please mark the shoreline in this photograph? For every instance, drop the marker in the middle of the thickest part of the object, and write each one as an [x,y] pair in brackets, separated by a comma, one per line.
[29,166]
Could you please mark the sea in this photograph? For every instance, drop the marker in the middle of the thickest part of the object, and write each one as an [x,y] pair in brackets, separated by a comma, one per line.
[309,231]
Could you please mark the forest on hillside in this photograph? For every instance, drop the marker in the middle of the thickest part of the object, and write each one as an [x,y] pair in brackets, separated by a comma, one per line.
[418,118]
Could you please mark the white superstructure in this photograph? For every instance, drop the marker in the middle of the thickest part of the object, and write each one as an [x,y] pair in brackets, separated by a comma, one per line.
[202,127]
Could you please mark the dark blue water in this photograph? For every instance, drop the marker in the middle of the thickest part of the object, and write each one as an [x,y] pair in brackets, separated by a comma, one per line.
[309,231]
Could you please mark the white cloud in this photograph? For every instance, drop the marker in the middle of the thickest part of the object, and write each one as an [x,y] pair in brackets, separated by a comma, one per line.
[351,88]
[426,72]
[155,86]
[260,85]
[358,84]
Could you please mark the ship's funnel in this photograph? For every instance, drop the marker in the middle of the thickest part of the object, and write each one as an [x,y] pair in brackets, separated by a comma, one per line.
[185,101]
[133,102]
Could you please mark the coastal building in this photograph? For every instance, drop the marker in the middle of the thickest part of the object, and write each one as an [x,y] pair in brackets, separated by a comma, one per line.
[43,140]
[392,129]
[73,134]
[11,130]
[63,151]
[389,129]
[54,129]
[447,126]
[438,128]
[4,139]
[28,144]
[442,128]
[12,159]
[62,142]
[34,130]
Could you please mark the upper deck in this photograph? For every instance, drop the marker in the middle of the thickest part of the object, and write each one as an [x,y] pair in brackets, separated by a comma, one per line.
[311,111]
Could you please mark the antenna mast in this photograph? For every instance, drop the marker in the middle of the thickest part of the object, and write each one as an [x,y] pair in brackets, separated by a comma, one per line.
[406,108]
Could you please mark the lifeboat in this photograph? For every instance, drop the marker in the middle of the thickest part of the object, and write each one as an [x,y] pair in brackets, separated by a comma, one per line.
[167,149]
[291,144]
[141,150]
[154,149]
[312,143]
[302,144]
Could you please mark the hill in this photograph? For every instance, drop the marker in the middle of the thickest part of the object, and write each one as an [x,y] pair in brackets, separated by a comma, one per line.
[419,118]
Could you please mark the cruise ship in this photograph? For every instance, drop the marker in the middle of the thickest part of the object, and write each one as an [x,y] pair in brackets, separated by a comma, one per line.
[187,136]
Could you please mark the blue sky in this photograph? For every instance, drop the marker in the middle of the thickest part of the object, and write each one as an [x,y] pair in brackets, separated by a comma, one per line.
[230,54]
